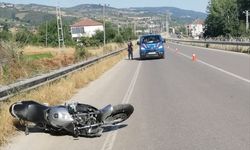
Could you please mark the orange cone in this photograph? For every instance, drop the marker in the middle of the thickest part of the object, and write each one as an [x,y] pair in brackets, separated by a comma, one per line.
[194,57]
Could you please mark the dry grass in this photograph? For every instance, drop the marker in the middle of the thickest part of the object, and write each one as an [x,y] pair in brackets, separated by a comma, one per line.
[54,93]
[28,50]
[98,51]
[69,51]
[60,58]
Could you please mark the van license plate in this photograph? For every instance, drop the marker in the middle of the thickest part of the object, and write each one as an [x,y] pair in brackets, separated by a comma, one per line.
[152,53]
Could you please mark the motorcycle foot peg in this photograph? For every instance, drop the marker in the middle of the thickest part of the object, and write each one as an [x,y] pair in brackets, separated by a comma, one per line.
[26,130]
[76,134]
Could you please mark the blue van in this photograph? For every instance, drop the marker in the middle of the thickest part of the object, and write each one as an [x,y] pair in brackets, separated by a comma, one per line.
[151,45]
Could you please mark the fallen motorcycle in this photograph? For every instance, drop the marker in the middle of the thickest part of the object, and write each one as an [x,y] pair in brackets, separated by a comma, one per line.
[75,118]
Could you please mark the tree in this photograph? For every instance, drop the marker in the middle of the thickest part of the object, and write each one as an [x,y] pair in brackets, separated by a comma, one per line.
[52,34]
[5,27]
[127,33]
[99,36]
[110,31]
[222,19]
[5,35]
[89,42]
[118,38]
[24,37]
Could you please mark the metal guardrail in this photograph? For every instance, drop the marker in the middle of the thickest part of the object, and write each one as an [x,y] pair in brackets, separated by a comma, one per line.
[21,86]
[211,42]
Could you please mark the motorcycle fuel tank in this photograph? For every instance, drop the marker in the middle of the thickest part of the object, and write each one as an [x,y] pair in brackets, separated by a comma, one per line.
[59,116]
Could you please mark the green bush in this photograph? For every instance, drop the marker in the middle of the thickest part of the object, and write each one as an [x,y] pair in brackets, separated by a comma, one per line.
[5,35]
[118,39]
[80,52]
[24,37]
[98,36]
[90,42]
[127,33]
[52,34]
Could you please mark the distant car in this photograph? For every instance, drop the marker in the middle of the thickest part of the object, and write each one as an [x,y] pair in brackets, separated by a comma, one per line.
[151,45]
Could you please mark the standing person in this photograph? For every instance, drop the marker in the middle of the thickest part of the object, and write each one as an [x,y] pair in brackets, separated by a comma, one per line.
[130,50]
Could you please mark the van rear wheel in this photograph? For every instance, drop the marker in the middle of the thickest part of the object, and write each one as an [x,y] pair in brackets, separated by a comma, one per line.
[163,56]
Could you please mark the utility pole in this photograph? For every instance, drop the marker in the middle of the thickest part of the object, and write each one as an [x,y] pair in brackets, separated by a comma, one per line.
[118,28]
[46,30]
[59,28]
[247,22]
[46,34]
[167,25]
[104,26]
[162,24]
[135,28]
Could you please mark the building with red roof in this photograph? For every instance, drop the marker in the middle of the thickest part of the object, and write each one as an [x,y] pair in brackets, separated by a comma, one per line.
[196,29]
[85,28]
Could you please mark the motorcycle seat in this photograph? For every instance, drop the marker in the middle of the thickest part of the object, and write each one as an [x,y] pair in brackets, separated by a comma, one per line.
[35,111]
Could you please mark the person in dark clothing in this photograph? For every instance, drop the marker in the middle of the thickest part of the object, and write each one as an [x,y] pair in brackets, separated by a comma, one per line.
[130,50]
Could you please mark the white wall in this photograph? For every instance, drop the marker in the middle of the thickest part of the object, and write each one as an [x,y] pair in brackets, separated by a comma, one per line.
[87,31]
[196,29]
[91,30]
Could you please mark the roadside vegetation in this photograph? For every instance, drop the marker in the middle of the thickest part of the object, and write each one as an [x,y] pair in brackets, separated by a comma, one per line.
[53,93]
[27,53]
[226,19]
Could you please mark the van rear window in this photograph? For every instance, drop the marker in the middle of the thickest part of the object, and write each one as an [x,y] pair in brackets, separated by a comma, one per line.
[151,39]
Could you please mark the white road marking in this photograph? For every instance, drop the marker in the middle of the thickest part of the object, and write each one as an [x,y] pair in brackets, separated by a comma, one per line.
[110,139]
[217,68]
[132,85]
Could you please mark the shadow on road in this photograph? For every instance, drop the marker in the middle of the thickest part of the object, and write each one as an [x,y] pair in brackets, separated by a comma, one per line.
[36,129]
[114,127]
[145,59]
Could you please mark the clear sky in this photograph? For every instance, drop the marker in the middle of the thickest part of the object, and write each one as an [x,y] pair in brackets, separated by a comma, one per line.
[197,5]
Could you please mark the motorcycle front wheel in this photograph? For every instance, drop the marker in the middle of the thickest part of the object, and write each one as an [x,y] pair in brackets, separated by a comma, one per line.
[120,113]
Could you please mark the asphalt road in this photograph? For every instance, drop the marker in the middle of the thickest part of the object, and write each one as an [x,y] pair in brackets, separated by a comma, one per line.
[179,105]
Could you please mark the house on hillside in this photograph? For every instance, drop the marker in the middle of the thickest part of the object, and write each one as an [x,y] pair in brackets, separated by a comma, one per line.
[85,28]
[196,29]
[6,5]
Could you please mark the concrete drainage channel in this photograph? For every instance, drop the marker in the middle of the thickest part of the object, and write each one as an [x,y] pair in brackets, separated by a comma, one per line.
[21,86]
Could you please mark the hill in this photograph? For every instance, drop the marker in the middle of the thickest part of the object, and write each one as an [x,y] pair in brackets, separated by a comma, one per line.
[34,14]
[175,12]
